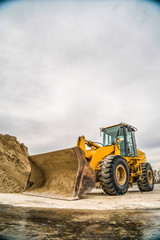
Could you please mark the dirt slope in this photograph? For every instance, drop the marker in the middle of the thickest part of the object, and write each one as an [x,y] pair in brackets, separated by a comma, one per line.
[14,165]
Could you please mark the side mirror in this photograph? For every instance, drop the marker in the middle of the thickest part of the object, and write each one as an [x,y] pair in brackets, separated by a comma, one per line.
[118,140]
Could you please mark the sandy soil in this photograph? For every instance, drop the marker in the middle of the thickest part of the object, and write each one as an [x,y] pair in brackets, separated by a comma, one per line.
[96,200]
[14,164]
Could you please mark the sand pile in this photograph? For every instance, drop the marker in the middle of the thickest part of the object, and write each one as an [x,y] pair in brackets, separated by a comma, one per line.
[14,165]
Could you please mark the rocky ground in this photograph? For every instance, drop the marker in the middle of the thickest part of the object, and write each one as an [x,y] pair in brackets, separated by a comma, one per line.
[25,223]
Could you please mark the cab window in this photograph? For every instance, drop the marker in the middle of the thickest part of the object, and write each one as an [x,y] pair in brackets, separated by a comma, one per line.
[130,143]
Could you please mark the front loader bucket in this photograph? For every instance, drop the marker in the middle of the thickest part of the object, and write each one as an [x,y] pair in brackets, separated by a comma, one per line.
[63,174]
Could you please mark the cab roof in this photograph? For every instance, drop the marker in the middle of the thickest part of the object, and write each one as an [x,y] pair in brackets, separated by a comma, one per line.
[122,123]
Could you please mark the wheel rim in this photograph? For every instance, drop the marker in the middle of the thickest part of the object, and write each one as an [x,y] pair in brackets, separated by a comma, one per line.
[121,174]
[150,177]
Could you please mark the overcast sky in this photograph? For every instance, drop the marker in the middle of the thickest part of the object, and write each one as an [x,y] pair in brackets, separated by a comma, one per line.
[68,68]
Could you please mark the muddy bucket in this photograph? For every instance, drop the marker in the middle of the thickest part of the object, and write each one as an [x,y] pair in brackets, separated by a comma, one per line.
[63,174]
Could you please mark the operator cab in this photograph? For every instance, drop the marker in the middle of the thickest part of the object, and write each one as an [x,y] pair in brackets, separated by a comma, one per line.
[126,133]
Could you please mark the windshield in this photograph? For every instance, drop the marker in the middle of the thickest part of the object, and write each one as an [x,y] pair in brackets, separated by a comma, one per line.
[110,135]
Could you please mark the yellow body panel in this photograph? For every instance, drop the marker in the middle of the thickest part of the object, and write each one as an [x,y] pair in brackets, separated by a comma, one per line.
[97,153]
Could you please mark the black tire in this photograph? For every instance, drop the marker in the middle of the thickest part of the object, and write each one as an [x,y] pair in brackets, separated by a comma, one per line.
[110,167]
[146,182]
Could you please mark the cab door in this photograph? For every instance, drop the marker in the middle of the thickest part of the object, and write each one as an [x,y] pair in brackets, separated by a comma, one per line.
[131,148]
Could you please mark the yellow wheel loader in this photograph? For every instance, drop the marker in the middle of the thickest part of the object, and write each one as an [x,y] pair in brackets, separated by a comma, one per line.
[116,164]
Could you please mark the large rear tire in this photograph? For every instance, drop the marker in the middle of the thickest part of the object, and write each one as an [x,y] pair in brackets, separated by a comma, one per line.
[114,175]
[146,182]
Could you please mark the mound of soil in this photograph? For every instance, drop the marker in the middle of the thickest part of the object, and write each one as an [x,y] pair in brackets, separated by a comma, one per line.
[14,165]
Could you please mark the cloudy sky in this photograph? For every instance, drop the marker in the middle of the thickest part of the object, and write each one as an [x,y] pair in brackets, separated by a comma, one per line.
[68,68]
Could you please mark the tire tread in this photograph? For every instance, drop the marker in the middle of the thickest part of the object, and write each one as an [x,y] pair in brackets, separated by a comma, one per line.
[106,176]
